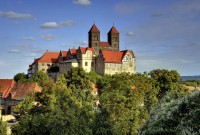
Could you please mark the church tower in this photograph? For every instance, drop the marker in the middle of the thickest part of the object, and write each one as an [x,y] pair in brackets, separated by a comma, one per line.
[94,38]
[113,38]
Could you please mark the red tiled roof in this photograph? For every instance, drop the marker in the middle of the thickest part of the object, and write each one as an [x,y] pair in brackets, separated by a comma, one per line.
[83,50]
[94,29]
[131,52]
[112,56]
[104,44]
[49,57]
[21,90]
[64,53]
[73,51]
[115,56]
[5,86]
[113,30]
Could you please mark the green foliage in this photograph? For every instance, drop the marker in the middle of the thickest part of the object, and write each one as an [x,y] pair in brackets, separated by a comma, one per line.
[3,130]
[125,100]
[194,83]
[40,77]
[60,108]
[94,77]
[24,107]
[165,80]
[20,77]
[175,115]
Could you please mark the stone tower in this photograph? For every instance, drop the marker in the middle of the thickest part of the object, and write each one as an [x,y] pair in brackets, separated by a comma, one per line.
[94,38]
[113,38]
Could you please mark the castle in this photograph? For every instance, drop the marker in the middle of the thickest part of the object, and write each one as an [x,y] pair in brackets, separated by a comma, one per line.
[100,57]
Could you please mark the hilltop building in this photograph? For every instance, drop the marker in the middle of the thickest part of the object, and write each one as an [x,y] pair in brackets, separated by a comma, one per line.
[100,57]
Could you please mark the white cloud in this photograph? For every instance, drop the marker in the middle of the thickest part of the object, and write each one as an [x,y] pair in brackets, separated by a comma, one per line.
[55,25]
[50,25]
[130,33]
[82,2]
[67,23]
[30,55]
[29,38]
[14,15]
[81,43]
[47,37]
[15,51]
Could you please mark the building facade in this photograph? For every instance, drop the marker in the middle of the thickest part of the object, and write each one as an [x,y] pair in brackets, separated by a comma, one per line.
[100,56]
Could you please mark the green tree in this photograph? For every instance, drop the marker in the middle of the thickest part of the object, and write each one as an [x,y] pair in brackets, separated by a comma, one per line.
[20,77]
[165,80]
[40,77]
[3,128]
[125,100]
[58,110]
[175,116]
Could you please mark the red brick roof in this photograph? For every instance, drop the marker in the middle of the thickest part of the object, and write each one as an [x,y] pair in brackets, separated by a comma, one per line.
[49,57]
[104,44]
[6,86]
[84,49]
[94,29]
[113,30]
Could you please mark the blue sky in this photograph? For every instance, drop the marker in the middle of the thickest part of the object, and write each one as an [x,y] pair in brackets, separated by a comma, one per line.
[163,34]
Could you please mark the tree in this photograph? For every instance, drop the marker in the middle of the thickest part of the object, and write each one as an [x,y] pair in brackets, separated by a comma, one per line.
[125,100]
[20,77]
[3,128]
[59,109]
[165,80]
[175,116]
[40,77]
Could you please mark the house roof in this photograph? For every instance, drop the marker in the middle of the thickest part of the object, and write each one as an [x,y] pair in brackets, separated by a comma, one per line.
[49,57]
[115,56]
[104,44]
[84,49]
[113,30]
[5,86]
[112,56]
[131,52]
[94,29]
[73,51]
[21,90]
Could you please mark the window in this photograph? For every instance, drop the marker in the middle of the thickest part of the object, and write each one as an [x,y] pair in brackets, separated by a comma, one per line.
[86,64]
[95,38]
[43,64]
[92,64]
[43,69]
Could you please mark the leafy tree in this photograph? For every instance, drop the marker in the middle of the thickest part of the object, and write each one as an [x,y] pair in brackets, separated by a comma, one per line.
[20,77]
[3,128]
[94,77]
[59,109]
[40,77]
[165,80]
[125,100]
[175,116]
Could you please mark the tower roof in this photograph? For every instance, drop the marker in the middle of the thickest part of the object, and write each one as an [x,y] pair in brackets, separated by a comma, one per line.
[94,29]
[113,30]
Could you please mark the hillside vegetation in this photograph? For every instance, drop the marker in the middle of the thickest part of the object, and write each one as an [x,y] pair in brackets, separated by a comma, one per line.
[148,103]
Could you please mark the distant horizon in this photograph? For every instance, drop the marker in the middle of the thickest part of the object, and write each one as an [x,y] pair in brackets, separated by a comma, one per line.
[162,34]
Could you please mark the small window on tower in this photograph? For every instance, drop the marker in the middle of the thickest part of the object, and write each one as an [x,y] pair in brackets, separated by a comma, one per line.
[86,64]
